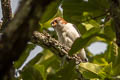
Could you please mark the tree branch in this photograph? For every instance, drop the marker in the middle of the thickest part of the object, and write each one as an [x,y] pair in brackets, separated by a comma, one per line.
[46,41]
[115,12]
[7,12]
[18,33]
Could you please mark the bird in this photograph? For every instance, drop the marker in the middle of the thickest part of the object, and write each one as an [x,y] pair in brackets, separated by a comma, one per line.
[67,33]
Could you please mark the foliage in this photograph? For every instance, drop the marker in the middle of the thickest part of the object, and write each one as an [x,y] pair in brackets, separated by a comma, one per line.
[91,19]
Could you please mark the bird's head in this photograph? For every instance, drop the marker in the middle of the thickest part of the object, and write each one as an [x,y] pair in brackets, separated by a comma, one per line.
[58,21]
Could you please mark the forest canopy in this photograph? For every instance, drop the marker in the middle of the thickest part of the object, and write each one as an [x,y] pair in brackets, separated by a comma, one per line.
[96,20]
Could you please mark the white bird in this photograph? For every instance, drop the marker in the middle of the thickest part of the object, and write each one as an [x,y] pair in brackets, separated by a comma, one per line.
[67,34]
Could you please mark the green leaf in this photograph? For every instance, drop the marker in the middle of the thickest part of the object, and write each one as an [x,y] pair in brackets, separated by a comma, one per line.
[92,32]
[94,23]
[51,10]
[24,55]
[35,59]
[90,70]
[99,59]
[42,71]
[82,41]
[94,8]
[81,28]
[30,73]
[111,53]
[53,62]
[108,70]
[88,26]
[49,60]
[67,72]
[116,65]
[109,30]
[47,24]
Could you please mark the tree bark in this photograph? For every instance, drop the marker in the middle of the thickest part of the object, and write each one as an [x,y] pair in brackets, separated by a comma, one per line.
[46,41]
[18,32]
[115,12]
[7,13]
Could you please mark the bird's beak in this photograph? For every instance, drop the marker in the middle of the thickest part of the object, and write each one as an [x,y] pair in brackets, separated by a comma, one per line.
[54,23]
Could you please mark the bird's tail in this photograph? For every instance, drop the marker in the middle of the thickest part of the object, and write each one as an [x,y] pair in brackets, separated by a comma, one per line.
[82,55]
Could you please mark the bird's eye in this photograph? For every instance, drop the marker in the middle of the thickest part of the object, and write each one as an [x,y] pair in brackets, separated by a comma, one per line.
[56,21]
[52,23]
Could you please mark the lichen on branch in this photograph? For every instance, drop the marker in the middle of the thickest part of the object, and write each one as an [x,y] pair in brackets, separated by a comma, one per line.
[46,41]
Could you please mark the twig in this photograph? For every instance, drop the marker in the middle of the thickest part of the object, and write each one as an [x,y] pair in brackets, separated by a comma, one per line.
[7,12]
[0,25]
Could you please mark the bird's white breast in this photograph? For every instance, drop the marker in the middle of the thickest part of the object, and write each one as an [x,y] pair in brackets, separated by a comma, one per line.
[68,34]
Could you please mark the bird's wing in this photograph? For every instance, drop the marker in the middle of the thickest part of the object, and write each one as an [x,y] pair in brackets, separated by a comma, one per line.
[72,33]
[69,41]
[76,29]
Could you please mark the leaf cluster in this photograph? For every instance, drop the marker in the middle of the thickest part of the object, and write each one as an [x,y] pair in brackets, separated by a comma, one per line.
[95,24]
